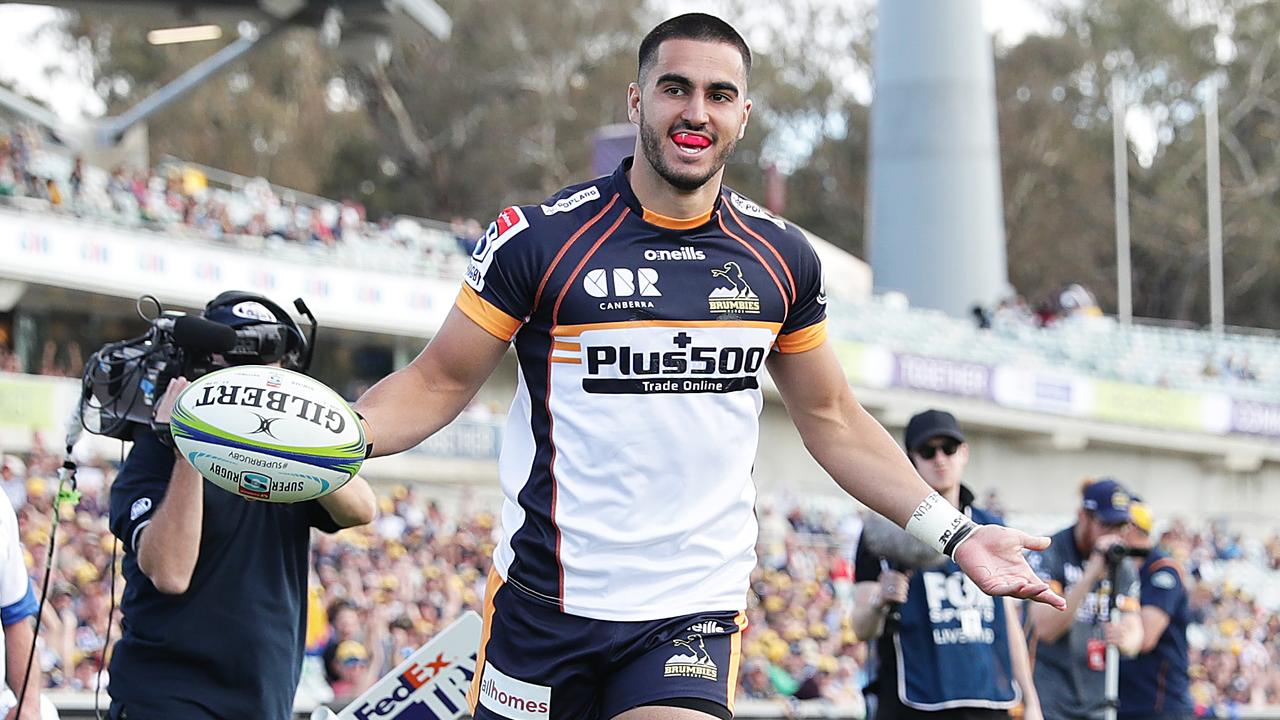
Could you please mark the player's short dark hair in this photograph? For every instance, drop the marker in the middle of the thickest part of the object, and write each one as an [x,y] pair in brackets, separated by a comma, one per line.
[691,26]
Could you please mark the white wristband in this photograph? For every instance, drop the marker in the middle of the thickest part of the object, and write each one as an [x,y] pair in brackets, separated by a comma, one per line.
[938,524]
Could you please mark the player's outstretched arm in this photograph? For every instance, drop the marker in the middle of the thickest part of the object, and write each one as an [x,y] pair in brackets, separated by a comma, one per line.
[865,461]
[407,406]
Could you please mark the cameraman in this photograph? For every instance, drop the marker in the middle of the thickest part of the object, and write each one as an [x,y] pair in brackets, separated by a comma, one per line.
[1069,648]
[214,603]
[1154,685]
[954,653]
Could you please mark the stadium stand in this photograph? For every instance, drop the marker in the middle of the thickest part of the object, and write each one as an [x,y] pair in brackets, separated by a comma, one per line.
[195,201]
[421,565]
[1237,363]
[200,202]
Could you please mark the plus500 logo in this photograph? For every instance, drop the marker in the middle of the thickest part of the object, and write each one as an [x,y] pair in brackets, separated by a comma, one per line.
[686,361]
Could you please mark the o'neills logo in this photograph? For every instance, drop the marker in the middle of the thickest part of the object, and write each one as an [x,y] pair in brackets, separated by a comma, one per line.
[687,252]
[512,698]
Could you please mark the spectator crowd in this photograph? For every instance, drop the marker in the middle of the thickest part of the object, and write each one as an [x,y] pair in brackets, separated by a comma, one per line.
[180,198]
[379,592]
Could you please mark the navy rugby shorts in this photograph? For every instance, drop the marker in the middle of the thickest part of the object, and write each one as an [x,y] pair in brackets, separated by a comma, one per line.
[538,663]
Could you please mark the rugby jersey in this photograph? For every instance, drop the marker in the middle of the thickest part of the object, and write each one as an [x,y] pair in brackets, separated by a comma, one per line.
[641,339]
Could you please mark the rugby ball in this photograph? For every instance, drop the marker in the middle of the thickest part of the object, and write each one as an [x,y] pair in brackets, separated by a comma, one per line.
[265,433]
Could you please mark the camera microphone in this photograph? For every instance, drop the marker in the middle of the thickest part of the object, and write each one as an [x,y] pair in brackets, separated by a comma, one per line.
[203,336]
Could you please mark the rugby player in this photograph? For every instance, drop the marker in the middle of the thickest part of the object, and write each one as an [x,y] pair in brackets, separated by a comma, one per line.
[644,307]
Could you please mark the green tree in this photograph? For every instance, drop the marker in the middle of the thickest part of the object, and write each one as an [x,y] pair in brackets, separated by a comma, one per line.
[1055,129]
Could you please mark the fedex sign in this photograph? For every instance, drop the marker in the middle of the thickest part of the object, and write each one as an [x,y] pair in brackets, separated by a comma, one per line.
[447,697]
[431,685]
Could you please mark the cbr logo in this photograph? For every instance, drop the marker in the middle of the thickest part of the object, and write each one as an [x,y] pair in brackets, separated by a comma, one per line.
[625,283]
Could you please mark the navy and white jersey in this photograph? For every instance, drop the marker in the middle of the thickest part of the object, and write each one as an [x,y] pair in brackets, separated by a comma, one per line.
[231,645]
[1067,686]
[641,339]
[1155,683]
[949,649]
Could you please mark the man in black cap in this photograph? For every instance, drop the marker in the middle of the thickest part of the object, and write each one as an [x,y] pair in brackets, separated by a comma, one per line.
[950,650]
[215,585]
[1070,647]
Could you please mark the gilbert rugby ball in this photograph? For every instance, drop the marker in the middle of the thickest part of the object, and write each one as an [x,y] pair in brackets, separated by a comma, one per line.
[265,433]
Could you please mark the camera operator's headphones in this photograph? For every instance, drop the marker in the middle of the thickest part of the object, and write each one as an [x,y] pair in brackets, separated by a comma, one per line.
[265,332]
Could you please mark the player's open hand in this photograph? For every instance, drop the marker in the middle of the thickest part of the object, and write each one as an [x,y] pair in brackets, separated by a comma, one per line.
[992,558]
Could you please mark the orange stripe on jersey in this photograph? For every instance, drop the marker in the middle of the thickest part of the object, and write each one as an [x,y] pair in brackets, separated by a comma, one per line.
[567,361]
[573,346]
[485,314]
[785,268]
[671,223]
[759,258]
[576,330]
[495,582]
[803,339]
[555,311]
[546,400]
[735,658]
[537,297]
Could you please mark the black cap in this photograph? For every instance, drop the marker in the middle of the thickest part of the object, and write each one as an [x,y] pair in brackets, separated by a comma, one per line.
[1108,499]
[925,426]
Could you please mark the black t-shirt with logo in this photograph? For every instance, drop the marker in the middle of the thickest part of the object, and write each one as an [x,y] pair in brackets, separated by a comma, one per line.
[231,646]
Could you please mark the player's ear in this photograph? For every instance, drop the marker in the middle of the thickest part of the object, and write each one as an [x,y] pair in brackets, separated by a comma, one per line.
[633,103]
[746,116]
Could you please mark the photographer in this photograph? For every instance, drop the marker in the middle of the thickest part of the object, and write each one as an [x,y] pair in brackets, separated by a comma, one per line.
[1069,647]
[1154,684]
[951,651]
[214,602]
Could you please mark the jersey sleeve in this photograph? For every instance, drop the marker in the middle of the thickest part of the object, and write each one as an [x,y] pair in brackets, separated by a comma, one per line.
[1163,588]
[806,325]
[502,279]
[139,488]
[17,601]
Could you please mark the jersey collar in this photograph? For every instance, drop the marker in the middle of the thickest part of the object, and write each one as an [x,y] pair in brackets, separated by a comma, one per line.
[623,186]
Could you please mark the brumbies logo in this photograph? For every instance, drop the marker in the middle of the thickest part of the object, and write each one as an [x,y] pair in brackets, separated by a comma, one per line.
[693,663]
[737,297]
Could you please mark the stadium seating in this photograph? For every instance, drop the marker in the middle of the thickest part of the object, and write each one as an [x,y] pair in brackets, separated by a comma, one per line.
[421,564]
